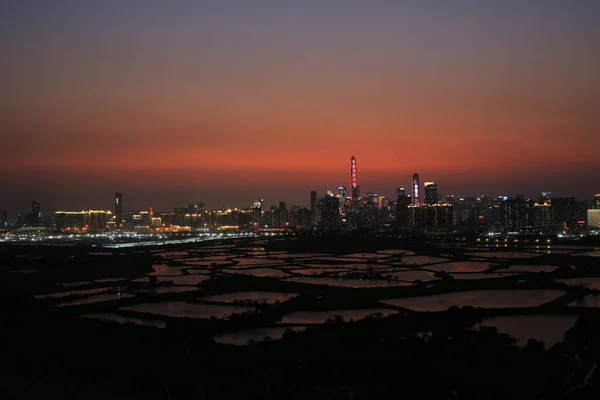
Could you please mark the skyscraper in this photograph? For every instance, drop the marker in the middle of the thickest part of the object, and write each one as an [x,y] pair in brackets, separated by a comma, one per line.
[354,188]
[313,207]
[330,213]
[415,189]
[118,209]
[597,201]
[3,219]
[431,192]
[34,218]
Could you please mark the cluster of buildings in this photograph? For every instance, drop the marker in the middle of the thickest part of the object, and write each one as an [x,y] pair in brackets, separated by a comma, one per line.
[420,209]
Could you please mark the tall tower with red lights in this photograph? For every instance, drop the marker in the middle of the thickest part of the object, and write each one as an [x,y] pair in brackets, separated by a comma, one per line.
[415,189]
[354,188]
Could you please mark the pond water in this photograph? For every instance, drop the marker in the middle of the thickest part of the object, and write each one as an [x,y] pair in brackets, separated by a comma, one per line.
[181,309]
[317,271]
[253,262]
[168,289]
[319,317]
[97,299]
[592,282]
[532,268]
[73,284]
[396,252]
[165,270]
[423,260]
[479,275]
[295,256]
[125,320]
[590,254]
[260,272]
[244,337]
[185,279]
[589,300]
[477,298]
[549,329]
[108,280]
[73,292]
[197,271]
[172,254]
[460,266]
[365,255]
[411,275]
[351,283]
[266,297]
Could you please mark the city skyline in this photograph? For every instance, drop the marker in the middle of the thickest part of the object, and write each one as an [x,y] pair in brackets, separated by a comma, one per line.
[304,201]
[226,102]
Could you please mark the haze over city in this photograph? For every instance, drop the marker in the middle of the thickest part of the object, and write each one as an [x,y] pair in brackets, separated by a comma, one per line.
[225,102]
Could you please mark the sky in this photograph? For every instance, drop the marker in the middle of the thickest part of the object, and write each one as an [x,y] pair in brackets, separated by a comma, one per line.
[223,102]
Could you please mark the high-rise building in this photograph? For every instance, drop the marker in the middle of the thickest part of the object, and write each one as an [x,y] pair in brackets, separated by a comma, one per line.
[354,188]
[403,200]
[415,189]
[431,192]
[34,217]
[3,219]
[257,212]
[593,218]
[564,211]
[542,215]
[597,201]
[330,218]
[514,216]
[313,207]
[118,209]
[431,217]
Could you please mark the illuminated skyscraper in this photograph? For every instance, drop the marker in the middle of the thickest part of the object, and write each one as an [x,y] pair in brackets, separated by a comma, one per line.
[431,192]
[597,201]
[354,188]
[415,189]
[118,209]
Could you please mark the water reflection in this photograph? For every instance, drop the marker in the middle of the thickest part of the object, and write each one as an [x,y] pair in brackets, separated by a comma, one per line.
[477,298]
[125,320]
[181,309]
[351,283]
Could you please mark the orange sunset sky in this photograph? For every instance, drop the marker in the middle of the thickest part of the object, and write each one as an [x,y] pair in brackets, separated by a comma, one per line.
[227,101]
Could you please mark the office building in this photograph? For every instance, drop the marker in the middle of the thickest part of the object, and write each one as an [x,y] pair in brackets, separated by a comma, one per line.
[4,219]
[330,218]
[593,218]
[431,192]
[415,189]
[118,210]
[403,200]
[82,221]
[597,201]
